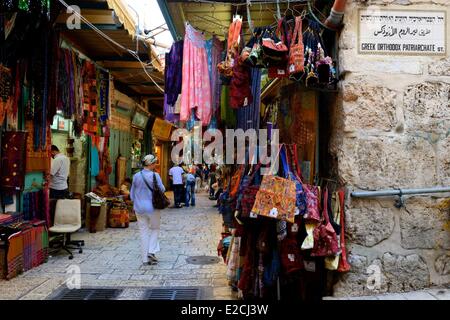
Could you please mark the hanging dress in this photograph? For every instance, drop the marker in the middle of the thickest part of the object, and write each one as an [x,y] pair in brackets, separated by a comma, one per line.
[196,87]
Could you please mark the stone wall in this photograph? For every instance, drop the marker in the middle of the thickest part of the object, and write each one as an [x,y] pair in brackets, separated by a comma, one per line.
[392,130]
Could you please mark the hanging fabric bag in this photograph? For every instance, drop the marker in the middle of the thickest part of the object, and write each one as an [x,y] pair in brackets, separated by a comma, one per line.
[344,266]
[297,52]
[274,50]
[300,194]
[311,192]
[276,197]
[281,70]
[249,190]
[325,239]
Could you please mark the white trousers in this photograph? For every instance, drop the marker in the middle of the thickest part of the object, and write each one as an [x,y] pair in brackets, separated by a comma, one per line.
[149,228]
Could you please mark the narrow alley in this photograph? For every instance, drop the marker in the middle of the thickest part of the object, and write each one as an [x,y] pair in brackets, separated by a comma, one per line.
[111,258]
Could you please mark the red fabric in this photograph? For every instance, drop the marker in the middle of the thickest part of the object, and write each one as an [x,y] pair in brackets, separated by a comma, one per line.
[312,192]
[297,51]
[343,266]
[325,238]
[291,256]
[240,87]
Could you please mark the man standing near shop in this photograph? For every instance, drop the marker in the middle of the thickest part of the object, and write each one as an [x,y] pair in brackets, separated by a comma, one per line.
[176,175]
[59,173]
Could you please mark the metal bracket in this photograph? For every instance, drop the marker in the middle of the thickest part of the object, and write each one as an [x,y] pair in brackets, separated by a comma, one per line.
[400,202]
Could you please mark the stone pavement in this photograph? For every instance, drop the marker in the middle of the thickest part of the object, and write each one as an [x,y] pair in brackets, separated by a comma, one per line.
[111,258]
[426,294]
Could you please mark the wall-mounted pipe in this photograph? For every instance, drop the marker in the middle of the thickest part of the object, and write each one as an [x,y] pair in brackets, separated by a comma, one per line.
[398,192]
[336,16]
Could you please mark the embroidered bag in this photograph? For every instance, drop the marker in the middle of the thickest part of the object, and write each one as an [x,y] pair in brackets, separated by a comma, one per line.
[312,192]
[325,239]
[247,193]
[300,194]
[276,198]
[273,48]
[297,50]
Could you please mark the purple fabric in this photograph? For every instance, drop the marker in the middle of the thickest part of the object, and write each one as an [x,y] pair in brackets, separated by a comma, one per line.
[174,72]
[169,112]
[214,48]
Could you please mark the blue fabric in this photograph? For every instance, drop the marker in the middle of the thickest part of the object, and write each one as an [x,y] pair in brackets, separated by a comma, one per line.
[190,193]
[141,195]
[248,117]
[95,162]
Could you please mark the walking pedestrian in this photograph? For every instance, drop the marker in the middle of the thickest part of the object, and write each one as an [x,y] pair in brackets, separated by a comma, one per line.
[149,218]
[190,188]
[212,181]
[198,178]
[176,176]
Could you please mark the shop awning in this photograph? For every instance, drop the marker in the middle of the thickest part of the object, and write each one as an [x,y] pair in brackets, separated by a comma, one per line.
[143,79]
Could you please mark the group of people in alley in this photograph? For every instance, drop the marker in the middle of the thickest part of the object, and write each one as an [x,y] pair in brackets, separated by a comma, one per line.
[185,180]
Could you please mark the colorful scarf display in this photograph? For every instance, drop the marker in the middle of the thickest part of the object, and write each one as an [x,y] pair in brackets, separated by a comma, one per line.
[13,155]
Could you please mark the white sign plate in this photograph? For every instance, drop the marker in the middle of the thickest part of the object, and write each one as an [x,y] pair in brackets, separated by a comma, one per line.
[404,32]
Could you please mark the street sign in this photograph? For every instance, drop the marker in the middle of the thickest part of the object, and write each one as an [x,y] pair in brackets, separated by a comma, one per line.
[402,32]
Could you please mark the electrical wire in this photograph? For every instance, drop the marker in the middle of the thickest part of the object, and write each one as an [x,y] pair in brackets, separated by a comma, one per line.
[106,37]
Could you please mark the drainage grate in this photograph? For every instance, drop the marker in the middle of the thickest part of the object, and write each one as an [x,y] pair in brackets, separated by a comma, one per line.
[185,293]
[203,260]
[88,294]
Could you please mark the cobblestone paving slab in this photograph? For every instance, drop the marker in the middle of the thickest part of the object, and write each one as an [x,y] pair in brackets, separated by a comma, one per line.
[112,258]
[427,294]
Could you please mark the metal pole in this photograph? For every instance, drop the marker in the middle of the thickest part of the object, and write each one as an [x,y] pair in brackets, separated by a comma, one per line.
[398,192]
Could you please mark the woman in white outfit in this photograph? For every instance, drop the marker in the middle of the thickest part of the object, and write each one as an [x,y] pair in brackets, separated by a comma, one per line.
[148,217]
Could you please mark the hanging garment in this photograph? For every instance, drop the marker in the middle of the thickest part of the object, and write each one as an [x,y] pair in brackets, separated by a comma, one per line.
[95,161]
[240,86]
[90,112]
[170,113]
[37,160]
[227,115]
[103,95]
[13,160]
[248,117]
[6,98]
[196,88]
[174,71]
[214,48]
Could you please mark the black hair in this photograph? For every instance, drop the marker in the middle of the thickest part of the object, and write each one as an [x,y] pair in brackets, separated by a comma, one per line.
[54,148]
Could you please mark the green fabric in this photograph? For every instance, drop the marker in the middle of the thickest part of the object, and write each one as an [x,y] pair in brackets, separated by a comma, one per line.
[227,114]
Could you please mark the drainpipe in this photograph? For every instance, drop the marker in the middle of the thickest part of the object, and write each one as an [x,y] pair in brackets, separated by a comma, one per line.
[336,16]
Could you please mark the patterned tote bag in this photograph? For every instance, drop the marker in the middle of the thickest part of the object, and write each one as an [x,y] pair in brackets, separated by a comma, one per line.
[276,197]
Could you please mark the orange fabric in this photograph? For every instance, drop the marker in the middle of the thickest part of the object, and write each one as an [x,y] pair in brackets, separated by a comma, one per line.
[236,181]
[234,32]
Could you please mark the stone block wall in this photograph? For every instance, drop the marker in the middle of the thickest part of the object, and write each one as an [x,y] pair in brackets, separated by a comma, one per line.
[391,129]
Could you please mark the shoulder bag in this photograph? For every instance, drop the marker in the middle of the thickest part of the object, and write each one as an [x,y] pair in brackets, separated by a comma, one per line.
[160,201]
[297,51]
[325,239]
[276,198]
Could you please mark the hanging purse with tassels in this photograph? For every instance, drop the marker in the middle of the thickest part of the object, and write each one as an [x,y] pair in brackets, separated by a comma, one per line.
[297,52]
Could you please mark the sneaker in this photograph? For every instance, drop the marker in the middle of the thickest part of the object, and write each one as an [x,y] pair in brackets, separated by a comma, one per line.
[152,258]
